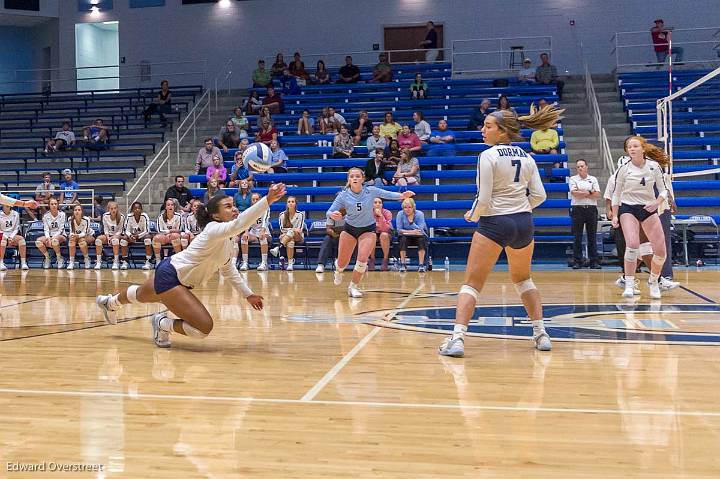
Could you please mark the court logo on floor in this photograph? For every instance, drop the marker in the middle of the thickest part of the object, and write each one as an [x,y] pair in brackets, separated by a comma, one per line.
[696,324]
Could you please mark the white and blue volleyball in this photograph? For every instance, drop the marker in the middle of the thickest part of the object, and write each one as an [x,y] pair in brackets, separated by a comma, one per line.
[258,156]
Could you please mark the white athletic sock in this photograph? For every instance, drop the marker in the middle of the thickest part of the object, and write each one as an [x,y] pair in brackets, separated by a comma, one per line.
[99,257]
[72,259]
[654,277]
[166,324]
[157,257]
[629,281]
[459,331]
[147,257]
[116,258]
[47,255]
[245,257]
[264,258]
[114,304]
[538,327]
[353,285]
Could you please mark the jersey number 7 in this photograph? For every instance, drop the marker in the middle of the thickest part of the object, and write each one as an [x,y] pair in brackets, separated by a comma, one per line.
[517,164]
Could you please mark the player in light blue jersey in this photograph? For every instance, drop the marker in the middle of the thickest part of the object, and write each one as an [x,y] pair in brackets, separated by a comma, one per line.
[357,201]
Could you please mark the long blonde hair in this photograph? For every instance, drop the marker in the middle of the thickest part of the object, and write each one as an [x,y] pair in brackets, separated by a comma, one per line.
[538,119]
[651,151]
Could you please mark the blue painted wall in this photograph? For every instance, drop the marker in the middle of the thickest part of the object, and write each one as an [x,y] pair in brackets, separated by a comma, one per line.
[16,53]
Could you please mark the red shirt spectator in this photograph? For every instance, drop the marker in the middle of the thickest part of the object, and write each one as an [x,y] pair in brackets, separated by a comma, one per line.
[273,101]
[383,223]
[409,140]
[267,134]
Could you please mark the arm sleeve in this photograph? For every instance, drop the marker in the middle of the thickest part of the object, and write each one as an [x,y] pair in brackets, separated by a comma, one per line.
[241,223]
[386,195]
[230,272]
[6,200]
[537,192]
[400,222]
[336,205]
[420,221]
[484,186]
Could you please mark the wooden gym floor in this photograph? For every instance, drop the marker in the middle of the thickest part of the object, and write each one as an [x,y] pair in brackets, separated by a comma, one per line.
[321,386]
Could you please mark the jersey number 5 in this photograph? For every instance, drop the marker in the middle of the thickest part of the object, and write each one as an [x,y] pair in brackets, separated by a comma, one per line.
[517,164]
[359,206]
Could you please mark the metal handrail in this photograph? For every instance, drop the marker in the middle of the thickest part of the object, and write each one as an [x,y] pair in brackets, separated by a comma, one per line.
[226,79]
[633,45]
[202,104]
[595,113]
[121,65]
[499,51]
[165,161]
[320,56]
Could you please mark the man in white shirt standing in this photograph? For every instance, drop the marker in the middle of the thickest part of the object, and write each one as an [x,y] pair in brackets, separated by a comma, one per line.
[584,192]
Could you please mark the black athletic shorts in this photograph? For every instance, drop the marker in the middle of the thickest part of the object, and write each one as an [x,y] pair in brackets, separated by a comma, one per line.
[356,232]
[515,231]
[408,240]
[638,211]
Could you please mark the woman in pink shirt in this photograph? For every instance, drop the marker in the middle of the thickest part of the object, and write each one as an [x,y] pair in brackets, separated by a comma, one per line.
[383,228]
[408,140]
[217,171]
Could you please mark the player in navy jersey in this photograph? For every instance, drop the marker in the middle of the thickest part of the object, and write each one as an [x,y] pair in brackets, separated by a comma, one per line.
[359,230]
[508,189]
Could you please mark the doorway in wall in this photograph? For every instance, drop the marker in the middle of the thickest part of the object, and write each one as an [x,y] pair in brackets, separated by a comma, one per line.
[407,37]
[97,56]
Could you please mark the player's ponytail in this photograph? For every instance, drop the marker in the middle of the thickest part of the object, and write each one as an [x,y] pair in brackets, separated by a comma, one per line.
[538,119]
[204,212]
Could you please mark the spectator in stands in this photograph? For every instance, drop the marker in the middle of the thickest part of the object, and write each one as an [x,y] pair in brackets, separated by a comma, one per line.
[545,142]
[64,139]
[289,83]
[430,43]
[244,144]
[660,38]
[273,101]
[412,231]
[407,139]
[442,141]
[392,154]
[339,119]
[279,65]
[408,170]
[179,192]
[526,75]
[383,229]
[361,128]
[228,137]
[264,115]
[546,74]
[252,103]
[239,171]
[217,171]
[390,128]
[162,104]
[96,136]
[242,125]
[297,68]
[422,128]
[503,103]
[292,227]
[322,75]
[54,234]
[349,73]
[267,133]
[542,103]
[333,228]
[69,188]
[477,118]
[97,210]
[343,144]
[584,193]
[306,124]
[243,196]
[418,88]
[43,193]
[375,169]
[204,159]
[382,73]
[328,125]
[261,77]
[212,190]
[375,141]
[279,158]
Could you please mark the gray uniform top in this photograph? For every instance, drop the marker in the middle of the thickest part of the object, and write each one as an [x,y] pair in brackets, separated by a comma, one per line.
[359,206]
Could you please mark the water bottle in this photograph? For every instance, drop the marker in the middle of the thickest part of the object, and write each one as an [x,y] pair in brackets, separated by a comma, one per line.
[699,263]
[429,263]
[447,263]
[282,262]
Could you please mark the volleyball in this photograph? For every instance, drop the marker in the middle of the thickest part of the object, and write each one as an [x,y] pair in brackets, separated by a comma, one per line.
[258,156]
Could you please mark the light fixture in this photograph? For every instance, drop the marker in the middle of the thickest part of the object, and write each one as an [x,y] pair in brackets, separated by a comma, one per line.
[224,3]
[94,10]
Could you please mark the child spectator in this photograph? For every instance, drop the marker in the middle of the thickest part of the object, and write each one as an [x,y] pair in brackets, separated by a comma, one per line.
[212,190]
[419,88]
[64,139]
[43,193]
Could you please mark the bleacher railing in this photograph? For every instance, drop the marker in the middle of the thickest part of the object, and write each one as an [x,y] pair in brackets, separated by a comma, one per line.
[190,122]
[634,50]
[363,58]
[222,78]
[596,115]
[489,56]
[142,74]
[665,119]
[143,181]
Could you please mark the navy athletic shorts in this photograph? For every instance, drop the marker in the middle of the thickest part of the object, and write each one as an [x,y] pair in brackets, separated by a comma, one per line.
[638,211]
[165,277]
[356,232]
[515,231]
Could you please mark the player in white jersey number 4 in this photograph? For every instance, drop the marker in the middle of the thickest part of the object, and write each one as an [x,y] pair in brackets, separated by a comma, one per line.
[509,188]
[211,251]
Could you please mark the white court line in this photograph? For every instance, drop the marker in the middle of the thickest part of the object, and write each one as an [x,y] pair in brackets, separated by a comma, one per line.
[176,397]
[315,390]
